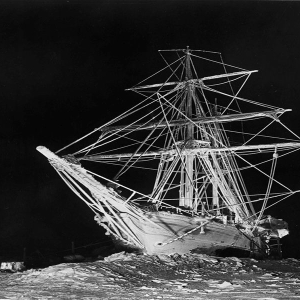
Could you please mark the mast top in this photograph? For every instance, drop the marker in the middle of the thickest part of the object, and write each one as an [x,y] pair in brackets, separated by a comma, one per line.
[187,50]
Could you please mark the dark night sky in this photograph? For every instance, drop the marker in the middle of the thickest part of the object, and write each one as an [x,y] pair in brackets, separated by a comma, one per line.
[64,66]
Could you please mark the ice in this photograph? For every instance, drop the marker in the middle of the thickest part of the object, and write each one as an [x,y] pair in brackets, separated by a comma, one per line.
[130,276]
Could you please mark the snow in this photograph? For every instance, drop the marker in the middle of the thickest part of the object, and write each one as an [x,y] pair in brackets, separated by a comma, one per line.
[130,276]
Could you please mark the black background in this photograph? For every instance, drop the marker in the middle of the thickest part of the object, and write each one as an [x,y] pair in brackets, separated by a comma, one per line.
[64,66]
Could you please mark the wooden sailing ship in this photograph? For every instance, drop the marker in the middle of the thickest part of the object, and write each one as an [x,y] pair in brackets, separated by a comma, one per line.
[184,150]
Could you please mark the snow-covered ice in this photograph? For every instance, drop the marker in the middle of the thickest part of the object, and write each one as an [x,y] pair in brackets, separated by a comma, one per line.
[130,276]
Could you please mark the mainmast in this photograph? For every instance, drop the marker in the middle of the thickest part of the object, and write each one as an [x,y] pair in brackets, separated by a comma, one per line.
[189,165]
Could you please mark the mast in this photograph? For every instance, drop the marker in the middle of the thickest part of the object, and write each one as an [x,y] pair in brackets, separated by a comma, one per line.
[188,195]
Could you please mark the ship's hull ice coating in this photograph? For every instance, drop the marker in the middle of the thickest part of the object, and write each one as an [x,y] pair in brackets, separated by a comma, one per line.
[182,234]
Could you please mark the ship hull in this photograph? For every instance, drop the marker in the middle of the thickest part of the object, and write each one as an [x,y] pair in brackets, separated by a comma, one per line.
[174,233]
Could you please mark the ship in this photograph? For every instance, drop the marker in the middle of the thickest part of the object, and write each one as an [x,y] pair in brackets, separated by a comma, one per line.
[189,167]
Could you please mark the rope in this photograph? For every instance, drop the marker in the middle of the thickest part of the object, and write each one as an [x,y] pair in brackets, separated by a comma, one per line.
[273,167]
[235,95]
[185,234]
[239,98]
[217,62]
[128,163]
